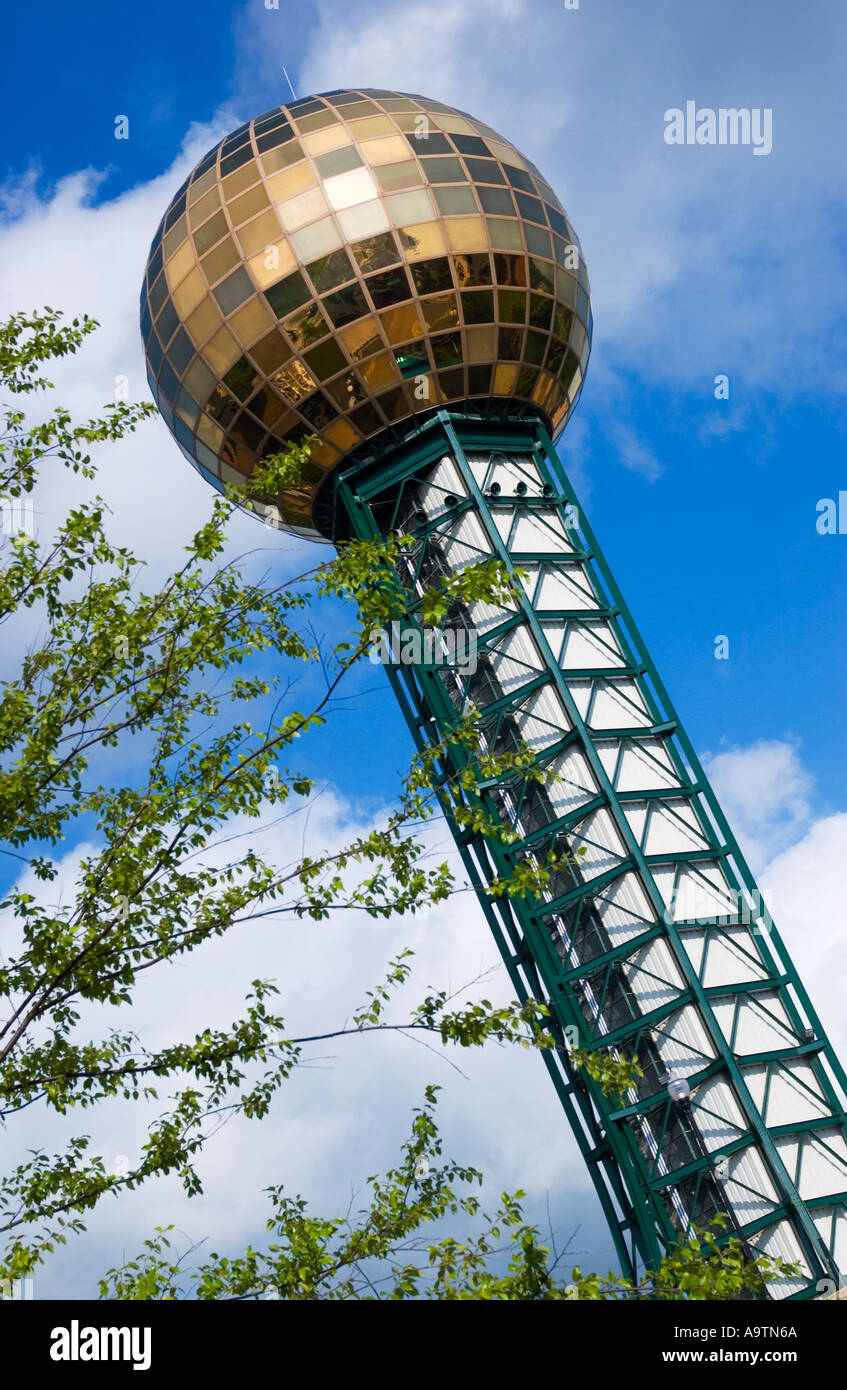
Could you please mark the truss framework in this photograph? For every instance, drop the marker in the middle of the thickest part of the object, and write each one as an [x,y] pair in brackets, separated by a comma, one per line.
[655,940]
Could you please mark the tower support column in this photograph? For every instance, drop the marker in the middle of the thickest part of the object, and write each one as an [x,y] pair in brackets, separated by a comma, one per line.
[652,938]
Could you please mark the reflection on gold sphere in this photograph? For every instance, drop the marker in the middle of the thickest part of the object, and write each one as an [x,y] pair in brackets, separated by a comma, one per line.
[345,262]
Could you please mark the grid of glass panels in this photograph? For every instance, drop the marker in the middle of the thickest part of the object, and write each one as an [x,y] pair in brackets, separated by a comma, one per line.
[345,261]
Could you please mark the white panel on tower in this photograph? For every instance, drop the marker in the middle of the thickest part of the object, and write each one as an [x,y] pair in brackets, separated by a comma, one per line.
[748,1185]
[464,542]
[444,482]
[653,975]
[761,1023]
[731,958]
[682,1042]
[574,782]
[541,718]
[560,586]
[617,705]
[646,766]
[673,827]
[823,1165]
[590,647]
[603,845]
[720,1119]
[539,531]
[793,1092]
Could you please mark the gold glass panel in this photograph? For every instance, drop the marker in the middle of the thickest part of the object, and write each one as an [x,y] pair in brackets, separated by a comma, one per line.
[395,176]
[324,455]
[239,179]
[210,432]
[291,181]
[394,403]
[222,351]
[411,207]
[398,104]
[401,324]
[456,125]
[210,233]
[423,241]
[385,151]
[466,234]
[251,321]
[270,353]
[286,422]
[331,138]
[316,121]
[350,189]
[482,343]
[357,106]
[180,263]
[294,381]
[203,322]
[242,458]
[270,265]
[342,433]
[542,388]
[261,232]
[506,154]
[175,237]
[306,326]
[505,234]
[204,207]
[558,412]
[361,338]
[440,312]
[198,380]
[188,295]
[202,185]
[378,372]
[241,209]
[281,157]
[302,208]
[219,262]
[318,240]
[364,221]
[410,123]
[505,376]
[371,126]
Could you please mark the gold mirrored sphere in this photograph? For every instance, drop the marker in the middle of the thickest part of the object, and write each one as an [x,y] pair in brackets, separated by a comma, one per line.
[344,263]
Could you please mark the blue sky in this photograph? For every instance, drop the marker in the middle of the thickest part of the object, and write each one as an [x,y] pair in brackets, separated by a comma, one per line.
[703,261]
[722,540]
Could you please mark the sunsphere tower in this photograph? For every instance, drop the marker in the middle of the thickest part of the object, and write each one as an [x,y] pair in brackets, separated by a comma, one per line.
[393,277]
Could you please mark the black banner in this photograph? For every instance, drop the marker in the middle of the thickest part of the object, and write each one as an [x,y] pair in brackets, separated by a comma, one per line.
[58,1340]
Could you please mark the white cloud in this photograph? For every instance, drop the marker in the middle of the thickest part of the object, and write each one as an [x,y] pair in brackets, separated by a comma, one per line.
[765,792]
[807,889]
[634,453]
[768,796]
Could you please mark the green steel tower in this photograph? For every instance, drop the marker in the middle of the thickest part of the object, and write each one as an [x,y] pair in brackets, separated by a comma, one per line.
[392,277]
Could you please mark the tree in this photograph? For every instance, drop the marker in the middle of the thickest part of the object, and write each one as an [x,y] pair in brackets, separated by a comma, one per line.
[176,671]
